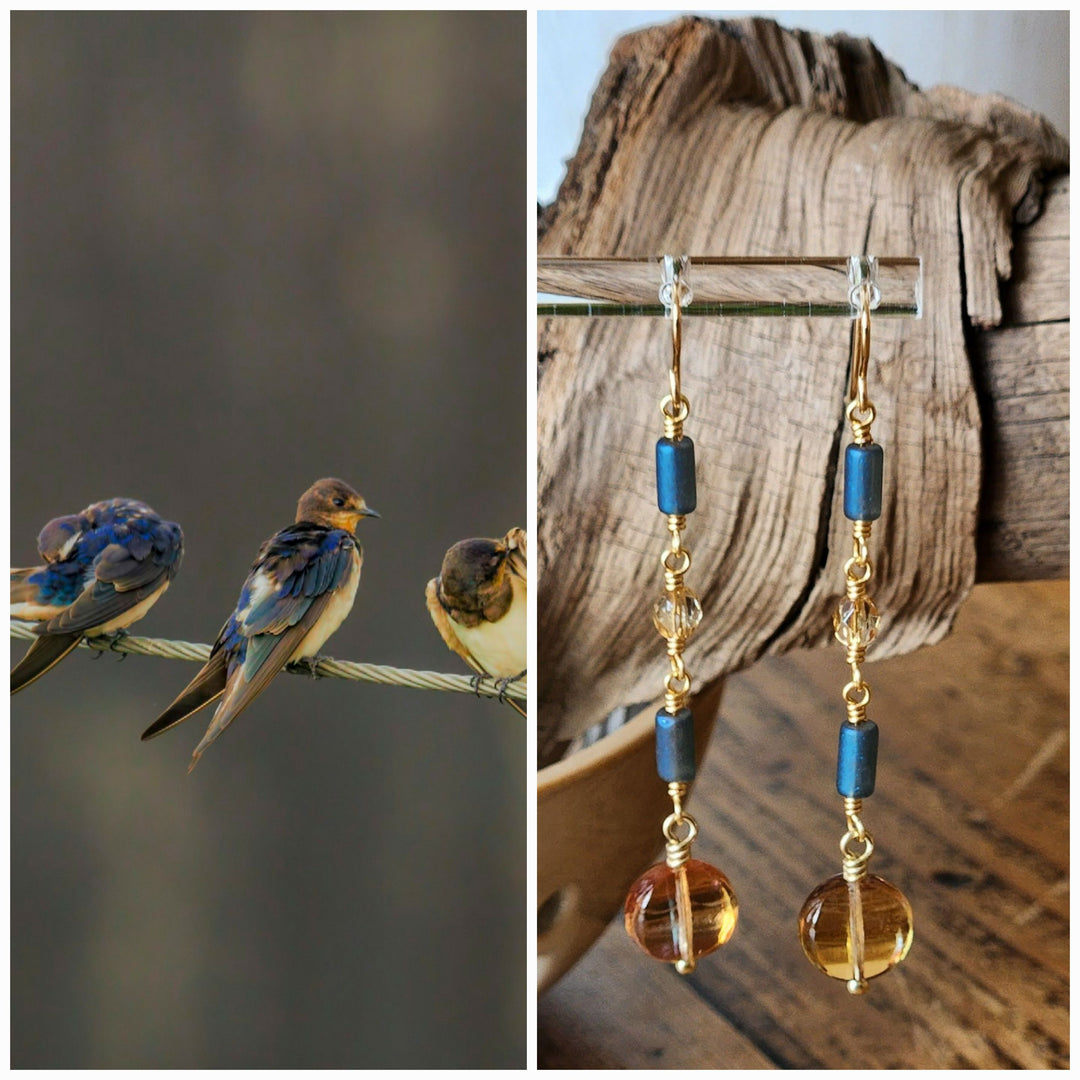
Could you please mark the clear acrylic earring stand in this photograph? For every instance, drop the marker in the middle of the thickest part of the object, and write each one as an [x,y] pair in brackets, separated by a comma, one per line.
[796,286]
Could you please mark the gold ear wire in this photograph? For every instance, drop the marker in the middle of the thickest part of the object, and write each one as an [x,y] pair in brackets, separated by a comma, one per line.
[860,351]
[675,375]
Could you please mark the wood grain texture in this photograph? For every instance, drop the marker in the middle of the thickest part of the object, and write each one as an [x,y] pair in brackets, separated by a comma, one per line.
[970,820]
[743,138]
[1021,371]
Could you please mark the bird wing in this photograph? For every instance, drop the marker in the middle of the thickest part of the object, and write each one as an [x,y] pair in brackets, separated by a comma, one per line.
[286,593]
[267,654]
[27,598]
[295,569]
[445,626]
[125,574]
[23,590]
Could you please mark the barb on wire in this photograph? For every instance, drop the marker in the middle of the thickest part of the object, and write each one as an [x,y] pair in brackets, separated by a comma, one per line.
[334,669]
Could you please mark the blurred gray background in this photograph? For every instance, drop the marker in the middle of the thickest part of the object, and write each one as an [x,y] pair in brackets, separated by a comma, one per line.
[248,251]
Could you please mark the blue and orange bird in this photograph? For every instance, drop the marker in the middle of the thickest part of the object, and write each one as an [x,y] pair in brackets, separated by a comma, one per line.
[479,604]
[105,567]
[297,593]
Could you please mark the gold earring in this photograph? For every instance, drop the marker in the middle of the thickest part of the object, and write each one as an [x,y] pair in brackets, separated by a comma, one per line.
[856,925]
[682,908]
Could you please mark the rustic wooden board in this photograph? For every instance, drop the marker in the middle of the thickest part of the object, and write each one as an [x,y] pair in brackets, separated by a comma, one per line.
[743,138]
[1021,369]
[970,818]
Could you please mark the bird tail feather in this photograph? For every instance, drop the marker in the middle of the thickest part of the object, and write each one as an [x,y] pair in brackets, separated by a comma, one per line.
[47,651]
[207,686]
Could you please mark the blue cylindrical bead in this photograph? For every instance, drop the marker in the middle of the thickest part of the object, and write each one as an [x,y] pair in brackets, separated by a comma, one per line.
[856,759]
[676,484]
[675,745]
[862,482]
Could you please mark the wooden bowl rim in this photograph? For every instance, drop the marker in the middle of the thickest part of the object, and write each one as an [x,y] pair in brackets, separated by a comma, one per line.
[623,741]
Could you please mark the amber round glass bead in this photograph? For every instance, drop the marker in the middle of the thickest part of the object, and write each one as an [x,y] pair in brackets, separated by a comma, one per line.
[840,916]
[652,915]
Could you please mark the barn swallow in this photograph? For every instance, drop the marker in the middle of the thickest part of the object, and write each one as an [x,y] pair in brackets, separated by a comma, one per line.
[297,593]
[479,605]
[105,567]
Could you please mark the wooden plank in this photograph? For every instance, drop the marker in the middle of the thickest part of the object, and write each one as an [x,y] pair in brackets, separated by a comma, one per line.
[1037,291]
[1024,517]
[576,1024]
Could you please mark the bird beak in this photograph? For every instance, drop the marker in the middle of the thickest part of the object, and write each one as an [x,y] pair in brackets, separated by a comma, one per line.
[368,512]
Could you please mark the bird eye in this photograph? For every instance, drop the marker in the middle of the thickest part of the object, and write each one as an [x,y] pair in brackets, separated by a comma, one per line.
[339,502]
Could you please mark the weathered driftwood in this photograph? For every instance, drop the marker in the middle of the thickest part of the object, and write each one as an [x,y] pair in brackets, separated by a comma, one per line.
[744,138]
[1021,374]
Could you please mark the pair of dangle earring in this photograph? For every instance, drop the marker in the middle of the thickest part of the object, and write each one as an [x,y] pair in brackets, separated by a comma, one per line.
[855,925]
[683,908]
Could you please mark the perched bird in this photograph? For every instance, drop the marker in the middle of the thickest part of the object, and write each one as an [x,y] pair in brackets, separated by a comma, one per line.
[479,605]
[105,567]
[297,593]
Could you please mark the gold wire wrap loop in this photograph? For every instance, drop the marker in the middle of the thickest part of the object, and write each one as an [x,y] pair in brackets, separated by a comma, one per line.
[678,840]
[682,561]
[856,712]
[672,823]
[673,583]
[860,424]
[678,665]
[860,535]
[852,810]
[856,589]
[678,687]
[865,568]
[856,687]
[669,411]
[680,830]
[856,862]
[856,654]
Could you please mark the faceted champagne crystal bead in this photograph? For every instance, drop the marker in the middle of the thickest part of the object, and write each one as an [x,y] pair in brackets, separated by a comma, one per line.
[838,915]
[856,620]
[651,912]
[677,615]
